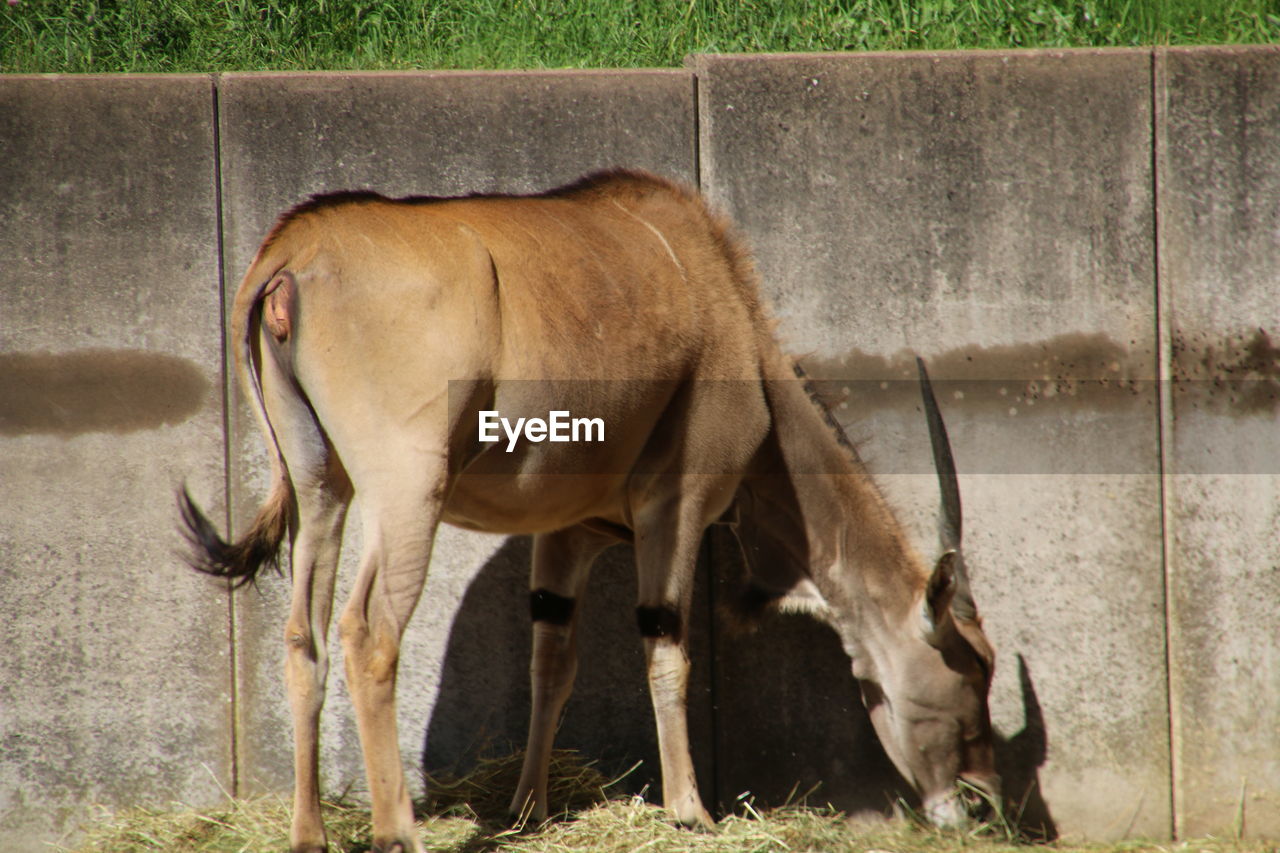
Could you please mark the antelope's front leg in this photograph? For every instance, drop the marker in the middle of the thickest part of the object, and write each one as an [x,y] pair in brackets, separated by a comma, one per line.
[561,564]
[666,556]
[668,664]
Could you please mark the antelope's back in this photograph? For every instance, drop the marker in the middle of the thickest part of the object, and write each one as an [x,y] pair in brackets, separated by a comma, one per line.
[607,299]
[621,275]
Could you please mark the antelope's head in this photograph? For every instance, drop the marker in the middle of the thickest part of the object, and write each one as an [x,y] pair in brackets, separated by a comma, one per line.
[926,683]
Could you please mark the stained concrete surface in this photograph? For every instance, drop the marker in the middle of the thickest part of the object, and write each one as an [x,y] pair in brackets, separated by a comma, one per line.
[993,213]
[116,673]
[1220,248]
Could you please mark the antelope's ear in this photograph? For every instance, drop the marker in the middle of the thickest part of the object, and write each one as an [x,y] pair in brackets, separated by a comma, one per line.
[938,594]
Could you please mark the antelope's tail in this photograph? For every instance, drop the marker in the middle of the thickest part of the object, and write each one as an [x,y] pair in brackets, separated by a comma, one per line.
[242,560]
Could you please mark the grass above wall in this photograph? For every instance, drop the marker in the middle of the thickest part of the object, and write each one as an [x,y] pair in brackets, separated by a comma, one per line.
[224,35]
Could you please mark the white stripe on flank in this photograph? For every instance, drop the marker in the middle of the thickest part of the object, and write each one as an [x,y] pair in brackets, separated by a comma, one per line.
[657,234]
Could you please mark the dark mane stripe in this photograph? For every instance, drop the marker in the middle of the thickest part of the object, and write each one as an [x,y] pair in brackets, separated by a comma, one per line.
[638,181]
[318,202]
[838,431]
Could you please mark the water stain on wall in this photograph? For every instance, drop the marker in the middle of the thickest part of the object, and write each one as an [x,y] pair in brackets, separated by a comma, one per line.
[99,390]
[1234,374]
[1075,370]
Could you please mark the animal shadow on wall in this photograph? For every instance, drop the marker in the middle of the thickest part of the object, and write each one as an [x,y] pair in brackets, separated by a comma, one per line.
[773,715]
[482,708]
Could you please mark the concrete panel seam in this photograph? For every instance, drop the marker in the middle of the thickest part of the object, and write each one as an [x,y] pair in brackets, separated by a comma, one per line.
[1164,416]
[233,673]
[701,124]
[696,103]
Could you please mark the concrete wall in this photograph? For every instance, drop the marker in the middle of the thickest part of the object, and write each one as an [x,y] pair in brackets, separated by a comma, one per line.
[1053,230]
[114,680]
[1219,244]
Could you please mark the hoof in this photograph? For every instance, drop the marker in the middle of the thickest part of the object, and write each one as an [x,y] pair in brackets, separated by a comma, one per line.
[524,813]
[522,821]
[697,819]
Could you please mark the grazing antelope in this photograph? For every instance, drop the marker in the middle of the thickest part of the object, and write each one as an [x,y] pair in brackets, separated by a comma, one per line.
[373,337]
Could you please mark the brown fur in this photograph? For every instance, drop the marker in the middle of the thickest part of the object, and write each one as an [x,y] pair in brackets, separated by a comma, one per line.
[369,334]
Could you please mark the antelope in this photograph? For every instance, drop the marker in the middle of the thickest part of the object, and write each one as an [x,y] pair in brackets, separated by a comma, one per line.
[370,334]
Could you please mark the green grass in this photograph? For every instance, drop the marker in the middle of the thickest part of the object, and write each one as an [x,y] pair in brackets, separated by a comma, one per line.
[219,35]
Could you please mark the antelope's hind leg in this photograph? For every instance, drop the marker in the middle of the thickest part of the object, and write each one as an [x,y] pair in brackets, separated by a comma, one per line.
[561,564]
[400,507]
[321,494]
[320,513]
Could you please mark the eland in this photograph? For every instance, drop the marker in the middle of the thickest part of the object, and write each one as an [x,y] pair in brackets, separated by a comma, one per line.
[372,336]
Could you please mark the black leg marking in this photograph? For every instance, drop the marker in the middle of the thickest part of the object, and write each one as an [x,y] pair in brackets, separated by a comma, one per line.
[547,606]
[659,623]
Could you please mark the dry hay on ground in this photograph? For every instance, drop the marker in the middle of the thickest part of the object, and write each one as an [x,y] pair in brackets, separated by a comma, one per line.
[468,815]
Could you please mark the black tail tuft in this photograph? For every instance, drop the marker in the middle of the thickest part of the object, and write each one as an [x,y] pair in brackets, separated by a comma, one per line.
[239,562]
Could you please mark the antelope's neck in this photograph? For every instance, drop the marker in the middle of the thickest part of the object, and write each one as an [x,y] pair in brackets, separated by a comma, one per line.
[859,556]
